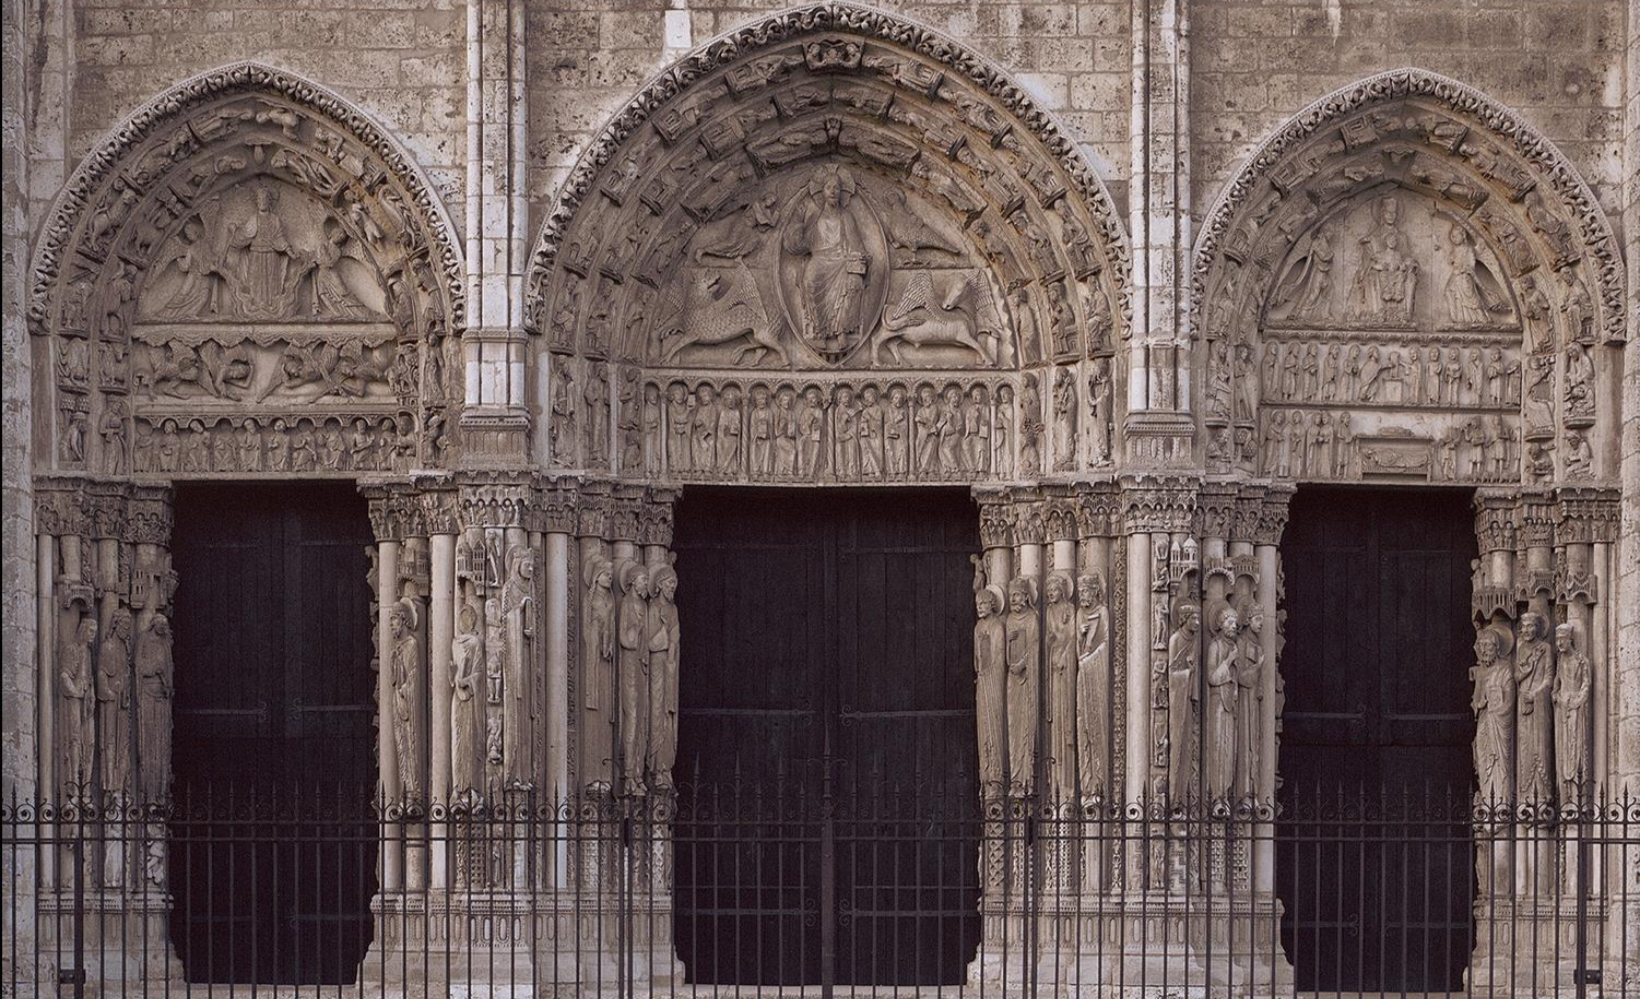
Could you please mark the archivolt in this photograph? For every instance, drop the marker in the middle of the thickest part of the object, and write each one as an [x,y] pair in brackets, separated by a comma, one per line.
[1232,226]
[113,163]
[976,105]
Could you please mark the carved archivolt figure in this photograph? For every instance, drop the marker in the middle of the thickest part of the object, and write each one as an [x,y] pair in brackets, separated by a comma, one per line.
[154,691]
[1313,288]
[1573,683]
[114,701]
[466,649]
[403,620]
[1064,419]
[1534,740]
[1183,655]
[1024,654]
[1092,683]
[1060,617]
[632,673]
[76,697]
[1494,705]
[990,680]
[1223,700]
[662,627]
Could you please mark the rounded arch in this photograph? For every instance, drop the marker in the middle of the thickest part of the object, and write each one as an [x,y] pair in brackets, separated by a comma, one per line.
[247,255]
[828,191]
[1408,283]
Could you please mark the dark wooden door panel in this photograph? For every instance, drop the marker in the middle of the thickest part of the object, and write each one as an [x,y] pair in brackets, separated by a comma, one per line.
[825,628]
[274,862]
[1377,706]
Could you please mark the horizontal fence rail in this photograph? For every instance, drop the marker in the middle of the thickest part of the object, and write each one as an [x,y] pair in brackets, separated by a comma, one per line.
[838,887]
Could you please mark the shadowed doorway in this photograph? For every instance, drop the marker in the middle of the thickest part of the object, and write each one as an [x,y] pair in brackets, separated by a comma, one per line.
[828,799]
[1376,736]
[274,846]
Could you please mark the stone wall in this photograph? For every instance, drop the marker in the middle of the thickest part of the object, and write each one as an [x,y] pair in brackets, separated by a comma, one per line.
[1256,63]
[404,61]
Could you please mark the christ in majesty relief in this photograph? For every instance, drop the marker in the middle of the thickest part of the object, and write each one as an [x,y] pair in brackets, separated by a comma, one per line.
[834,274]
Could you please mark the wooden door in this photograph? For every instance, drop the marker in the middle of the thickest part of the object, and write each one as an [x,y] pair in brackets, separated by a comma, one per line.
[273,857]
[826,746]
[1376,731]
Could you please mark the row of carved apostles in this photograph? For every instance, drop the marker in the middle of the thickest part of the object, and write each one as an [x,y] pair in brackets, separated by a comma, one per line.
[842,430]
[284,443]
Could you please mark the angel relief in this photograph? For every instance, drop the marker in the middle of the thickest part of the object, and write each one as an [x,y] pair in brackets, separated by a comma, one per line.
[828,267]
[263,253]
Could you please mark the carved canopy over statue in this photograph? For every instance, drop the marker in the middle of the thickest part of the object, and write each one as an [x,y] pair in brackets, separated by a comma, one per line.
[828,192]
[1408,284]
[247,277]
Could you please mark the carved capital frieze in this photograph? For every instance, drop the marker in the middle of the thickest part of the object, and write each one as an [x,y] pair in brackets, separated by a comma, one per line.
[1586,516]
[441,511]
[1217,504]
[1059,519]
[1273,513]
[594,510]
[655,517]
[996,518]
[61,507]
[106,504]
[1157,504]
[558,510]
[150,515]
[1536,524]
[625,513]
[1495,514]
[1098,511]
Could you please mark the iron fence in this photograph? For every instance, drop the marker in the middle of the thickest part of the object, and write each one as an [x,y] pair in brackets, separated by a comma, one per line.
[884,887]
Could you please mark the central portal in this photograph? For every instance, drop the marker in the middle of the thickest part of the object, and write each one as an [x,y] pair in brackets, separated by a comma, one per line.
[828,800]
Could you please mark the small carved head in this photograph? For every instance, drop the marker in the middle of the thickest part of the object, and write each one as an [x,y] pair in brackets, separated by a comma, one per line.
[86,633]
[160,625]
[812,396]
[1090,590]
[677,392]
[1059,588]
[845,394]
[925,394]
[635,579]
[977,394]
[1532,626]
[988,601]
[953,394]
[1022,594]
[1189,617]
[402,618]
[1005,394]
[1228,621]
[664,583]
[786,397]
[705,392]
[868,394]
[896,395]
[1566,638]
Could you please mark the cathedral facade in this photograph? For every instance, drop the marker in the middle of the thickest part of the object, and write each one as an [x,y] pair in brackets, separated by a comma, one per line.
[1156,409]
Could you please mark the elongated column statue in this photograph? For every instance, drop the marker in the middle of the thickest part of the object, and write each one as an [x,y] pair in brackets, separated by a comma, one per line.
[1223,700]
[1183,656]
[1092,685]
[406,671]
[76,695]
[114,701]
[598,676]
[1024,656]
[990,682]
[1572,686]
[632,671]
[466,658]
[1534,740]
[1061,714]
[662,627]
[1493,702]
[1250,695]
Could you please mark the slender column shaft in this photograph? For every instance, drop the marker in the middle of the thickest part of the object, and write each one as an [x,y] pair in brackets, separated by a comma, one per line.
[557,699]
[440,635]
[387,576]
[1138,749]
[1269,597]
[45,567]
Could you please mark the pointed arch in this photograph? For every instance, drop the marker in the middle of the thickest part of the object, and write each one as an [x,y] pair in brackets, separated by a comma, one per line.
[962,233]
[1409,224]
[247,264]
